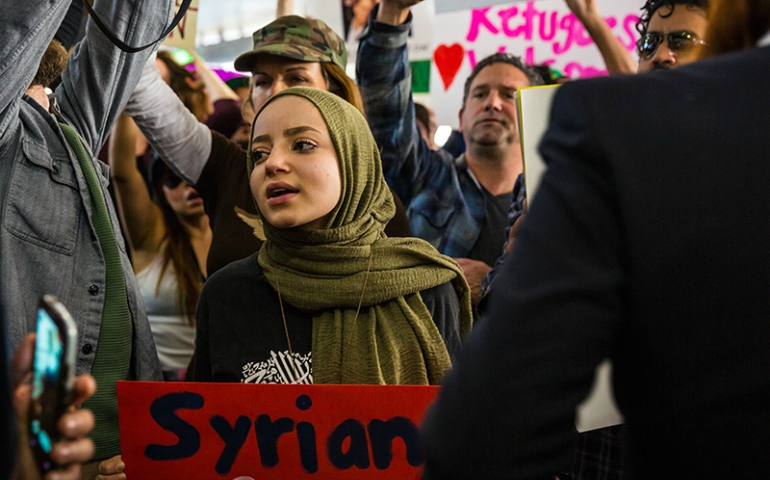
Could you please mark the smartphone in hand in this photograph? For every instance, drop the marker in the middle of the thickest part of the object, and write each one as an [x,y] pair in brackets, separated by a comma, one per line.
[53,377]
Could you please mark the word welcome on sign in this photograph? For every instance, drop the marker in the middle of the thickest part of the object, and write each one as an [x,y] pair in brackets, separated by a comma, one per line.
[210,430]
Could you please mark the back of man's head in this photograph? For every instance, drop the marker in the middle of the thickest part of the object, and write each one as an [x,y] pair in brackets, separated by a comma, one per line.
[510,59]
[51,65]
[652,6]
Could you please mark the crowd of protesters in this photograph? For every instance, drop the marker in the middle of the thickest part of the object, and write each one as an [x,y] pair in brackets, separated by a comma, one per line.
[309,230]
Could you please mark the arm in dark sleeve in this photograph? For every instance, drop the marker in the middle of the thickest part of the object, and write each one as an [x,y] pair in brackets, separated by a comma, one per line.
[507,409]
[385,81]
[444,308]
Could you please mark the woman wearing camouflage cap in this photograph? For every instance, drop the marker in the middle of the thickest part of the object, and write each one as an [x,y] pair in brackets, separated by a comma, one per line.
[290,51]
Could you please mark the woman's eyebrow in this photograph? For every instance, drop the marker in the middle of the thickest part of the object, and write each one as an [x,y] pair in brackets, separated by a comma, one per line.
[290,132]
[261,138]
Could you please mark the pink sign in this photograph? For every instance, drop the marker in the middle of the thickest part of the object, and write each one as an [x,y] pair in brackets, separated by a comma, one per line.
[541,32]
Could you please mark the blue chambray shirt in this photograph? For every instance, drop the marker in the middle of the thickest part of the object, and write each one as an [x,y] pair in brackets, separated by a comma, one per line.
[443,199]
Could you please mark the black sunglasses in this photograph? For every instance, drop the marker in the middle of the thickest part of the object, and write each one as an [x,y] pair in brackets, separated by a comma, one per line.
[679,41]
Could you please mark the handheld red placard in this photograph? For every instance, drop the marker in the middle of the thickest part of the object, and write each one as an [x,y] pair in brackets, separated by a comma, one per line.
[237,431]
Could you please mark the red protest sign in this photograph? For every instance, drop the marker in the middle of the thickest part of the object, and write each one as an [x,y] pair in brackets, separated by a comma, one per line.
[240,431]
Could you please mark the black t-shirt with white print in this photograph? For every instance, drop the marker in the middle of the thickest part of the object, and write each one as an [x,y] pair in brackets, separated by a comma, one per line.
[241,335]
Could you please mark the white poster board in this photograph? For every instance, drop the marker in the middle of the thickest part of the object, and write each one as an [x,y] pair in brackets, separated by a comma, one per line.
[599,409]
[534,106]
[541,32]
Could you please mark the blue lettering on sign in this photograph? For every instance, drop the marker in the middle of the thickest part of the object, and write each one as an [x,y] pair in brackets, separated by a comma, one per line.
[380,433]
[358,451]
[163,411]
[234,437]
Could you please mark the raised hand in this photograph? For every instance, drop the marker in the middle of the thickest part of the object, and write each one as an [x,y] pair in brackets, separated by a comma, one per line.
[582,8]
[395,12]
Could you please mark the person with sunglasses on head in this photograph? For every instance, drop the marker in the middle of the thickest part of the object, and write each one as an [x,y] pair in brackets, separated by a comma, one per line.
[671,34]
[290,51]
[169,235]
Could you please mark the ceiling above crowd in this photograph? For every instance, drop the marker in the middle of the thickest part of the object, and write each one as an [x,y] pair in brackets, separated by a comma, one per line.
[225,26]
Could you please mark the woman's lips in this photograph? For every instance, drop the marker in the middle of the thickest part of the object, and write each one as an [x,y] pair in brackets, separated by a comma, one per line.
[282,198]
[194,199]
[280,192]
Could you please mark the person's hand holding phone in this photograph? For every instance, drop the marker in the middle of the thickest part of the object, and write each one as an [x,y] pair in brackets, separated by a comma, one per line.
[73,448]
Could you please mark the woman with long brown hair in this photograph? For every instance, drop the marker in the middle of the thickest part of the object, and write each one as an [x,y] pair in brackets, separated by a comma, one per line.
[169,235]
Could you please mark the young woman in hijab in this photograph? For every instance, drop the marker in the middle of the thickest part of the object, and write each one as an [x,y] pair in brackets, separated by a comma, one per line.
[329,298]
[288,52]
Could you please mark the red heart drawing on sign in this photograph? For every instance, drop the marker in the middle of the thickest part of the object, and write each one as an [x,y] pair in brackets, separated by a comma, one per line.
[448,61]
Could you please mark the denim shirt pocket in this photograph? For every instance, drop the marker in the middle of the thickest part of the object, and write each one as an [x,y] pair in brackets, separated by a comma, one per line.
[429,217]
[44,204]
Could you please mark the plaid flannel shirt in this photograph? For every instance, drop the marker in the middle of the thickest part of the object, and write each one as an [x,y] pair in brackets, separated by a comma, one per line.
[443,200]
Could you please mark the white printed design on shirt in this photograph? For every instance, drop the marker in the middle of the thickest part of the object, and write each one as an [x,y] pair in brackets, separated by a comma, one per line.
[278,369]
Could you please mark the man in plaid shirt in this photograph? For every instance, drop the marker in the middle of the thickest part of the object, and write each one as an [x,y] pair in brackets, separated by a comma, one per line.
[460,205]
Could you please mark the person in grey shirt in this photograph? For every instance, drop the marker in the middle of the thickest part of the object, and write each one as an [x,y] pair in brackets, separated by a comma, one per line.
[60,234]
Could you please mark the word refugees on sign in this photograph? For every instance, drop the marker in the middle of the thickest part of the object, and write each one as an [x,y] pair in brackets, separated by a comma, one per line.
[543,32]
[200,430]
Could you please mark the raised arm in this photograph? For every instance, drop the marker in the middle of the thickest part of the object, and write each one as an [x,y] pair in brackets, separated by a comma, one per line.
[616,58]
[26,29]
[384,78]
[100,77]
[218,90]
[141,217]
[174,132]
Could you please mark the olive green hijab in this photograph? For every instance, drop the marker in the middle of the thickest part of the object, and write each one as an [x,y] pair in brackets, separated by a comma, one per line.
[393,339]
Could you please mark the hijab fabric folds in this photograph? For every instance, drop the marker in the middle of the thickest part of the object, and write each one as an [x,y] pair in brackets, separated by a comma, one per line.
[394,340]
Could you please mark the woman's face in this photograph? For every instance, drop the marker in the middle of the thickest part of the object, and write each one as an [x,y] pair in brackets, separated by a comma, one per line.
[183,199]
[273,74]
[296,178]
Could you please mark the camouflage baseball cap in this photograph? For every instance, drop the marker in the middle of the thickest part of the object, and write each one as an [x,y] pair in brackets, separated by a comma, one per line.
[304,39]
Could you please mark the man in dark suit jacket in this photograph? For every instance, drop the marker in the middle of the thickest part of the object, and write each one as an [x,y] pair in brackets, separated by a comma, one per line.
[649,244]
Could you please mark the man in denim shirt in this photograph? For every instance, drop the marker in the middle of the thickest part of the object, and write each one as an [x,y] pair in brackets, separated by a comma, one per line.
[59,233]
[458,205]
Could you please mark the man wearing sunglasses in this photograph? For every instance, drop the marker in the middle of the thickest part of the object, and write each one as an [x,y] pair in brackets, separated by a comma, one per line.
[671,32]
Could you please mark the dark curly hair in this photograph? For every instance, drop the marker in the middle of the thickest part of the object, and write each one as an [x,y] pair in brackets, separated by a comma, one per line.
[510,59]
[651,6]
